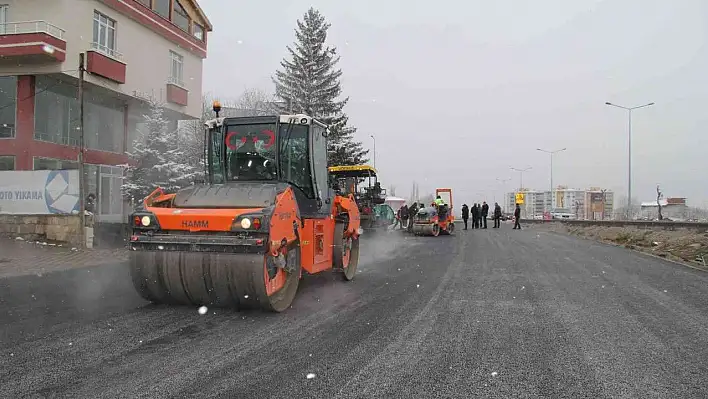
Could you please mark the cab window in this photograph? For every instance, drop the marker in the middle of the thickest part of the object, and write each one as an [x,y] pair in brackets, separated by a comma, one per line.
[294,157]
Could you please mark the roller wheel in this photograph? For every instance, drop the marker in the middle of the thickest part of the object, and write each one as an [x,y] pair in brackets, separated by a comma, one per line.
[450,228]
[215,279]
[281,295]
[435,230]
[346,252]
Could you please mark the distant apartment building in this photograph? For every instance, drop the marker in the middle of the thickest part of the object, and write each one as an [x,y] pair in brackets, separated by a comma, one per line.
[598,204]
[535,202]
[590,204]
[134,50]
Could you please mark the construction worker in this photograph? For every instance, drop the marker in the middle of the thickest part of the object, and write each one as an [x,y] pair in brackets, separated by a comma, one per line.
[441,207]
[517,217]
[465,214]
[412,211]
[439,201]
[404,216]
[398,219]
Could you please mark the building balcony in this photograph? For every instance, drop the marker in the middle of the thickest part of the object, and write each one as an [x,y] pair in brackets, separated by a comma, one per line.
[105,62]
[31,42]
[176,93]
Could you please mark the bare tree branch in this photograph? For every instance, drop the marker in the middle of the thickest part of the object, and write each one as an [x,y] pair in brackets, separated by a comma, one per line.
[256,102]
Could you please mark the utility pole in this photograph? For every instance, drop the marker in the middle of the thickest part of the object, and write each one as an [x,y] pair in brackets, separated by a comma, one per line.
[503,182]
[82,183]
[551,153]
[629,152]
[372,136]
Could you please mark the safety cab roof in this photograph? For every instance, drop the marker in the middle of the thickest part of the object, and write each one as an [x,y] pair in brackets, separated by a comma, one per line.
[353,170]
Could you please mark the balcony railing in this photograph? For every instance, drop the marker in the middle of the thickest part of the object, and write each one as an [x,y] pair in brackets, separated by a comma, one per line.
[14,28]
[105,50]
[175,81]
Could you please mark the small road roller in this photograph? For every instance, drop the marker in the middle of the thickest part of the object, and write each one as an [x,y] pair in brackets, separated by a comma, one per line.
[264,216]
[436,220]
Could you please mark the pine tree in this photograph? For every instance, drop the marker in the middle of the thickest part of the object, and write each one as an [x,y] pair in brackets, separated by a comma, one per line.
[157,158]
[309,83]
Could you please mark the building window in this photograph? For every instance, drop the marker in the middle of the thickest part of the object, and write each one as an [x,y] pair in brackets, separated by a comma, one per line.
[180,16]
[3,18]
[198,31]
[176,69]
[56,112]
[7,162]
[146,3]
[54,164]
[8,109]
[110,198]
[104,123]
[57,117]
[104,34]
[162,7]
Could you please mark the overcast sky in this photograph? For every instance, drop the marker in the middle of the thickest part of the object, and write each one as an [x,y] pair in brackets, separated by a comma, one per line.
[457,92]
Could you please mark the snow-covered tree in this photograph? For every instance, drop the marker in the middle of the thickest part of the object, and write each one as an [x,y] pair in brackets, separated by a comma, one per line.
[158,159]
[309,83]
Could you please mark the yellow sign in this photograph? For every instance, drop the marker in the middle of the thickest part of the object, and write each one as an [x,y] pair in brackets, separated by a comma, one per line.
[519,198]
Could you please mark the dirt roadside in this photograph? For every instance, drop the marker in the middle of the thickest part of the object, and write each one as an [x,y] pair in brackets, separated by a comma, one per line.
[20,257]
[679,245]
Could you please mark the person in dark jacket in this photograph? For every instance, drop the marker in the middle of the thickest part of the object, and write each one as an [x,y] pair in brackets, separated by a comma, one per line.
[485,213]
[404,216]
[517,216]
[475,216]
[473,211]
[465,214]
[412,211]
[497,215]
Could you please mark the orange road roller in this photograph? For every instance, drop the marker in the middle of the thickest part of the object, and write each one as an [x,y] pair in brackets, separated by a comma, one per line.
[264,217]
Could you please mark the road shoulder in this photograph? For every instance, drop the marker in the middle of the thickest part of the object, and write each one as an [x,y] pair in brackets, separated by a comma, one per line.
[21,258]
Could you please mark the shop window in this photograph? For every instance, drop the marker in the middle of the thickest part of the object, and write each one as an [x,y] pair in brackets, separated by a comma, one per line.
[57,116]
[7,162]
[8,109]
[54,164]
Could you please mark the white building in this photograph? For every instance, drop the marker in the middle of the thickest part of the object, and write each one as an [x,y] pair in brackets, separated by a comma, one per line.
[134,50]
[535,202]
[592,203]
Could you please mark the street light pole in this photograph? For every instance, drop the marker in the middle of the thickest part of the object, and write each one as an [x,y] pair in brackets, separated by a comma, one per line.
[372,136]
[551,153]
[521,176]
[503,182]
[629,152]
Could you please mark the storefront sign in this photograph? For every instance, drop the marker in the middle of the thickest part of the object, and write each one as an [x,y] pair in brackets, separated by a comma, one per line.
[39,192]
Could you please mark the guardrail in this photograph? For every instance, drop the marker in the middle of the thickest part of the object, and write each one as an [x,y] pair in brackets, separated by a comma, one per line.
[14,28]
[640,224]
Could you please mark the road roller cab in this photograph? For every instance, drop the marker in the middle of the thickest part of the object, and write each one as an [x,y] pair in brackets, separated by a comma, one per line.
[361,181]
[435,220]
[265,215]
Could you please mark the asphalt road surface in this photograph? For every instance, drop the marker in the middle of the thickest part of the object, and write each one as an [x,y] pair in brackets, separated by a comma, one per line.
[485,313]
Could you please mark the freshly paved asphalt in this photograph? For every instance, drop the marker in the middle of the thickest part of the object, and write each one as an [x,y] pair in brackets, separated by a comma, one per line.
[485,313]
